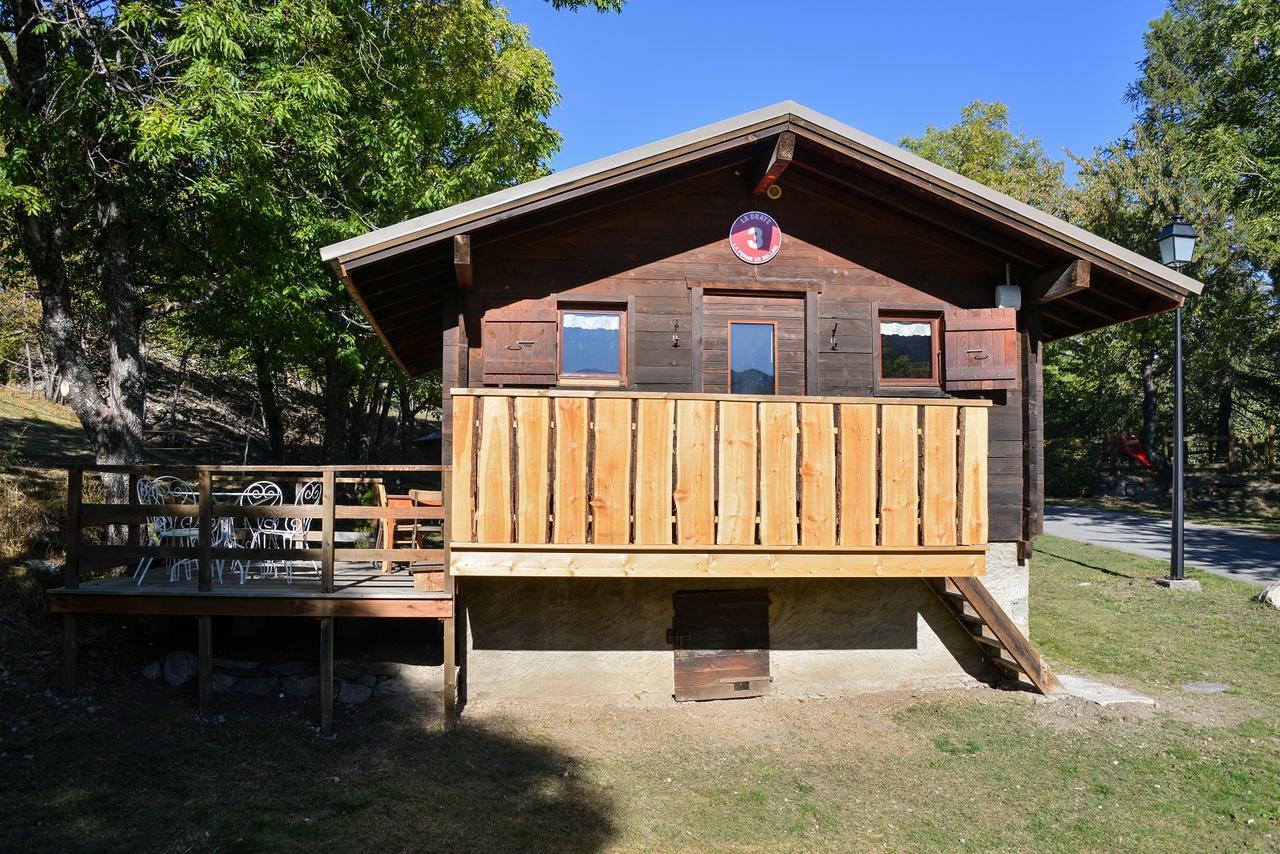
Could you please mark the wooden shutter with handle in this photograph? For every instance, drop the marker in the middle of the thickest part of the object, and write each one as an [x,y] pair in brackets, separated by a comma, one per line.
[980,349]
[520,346]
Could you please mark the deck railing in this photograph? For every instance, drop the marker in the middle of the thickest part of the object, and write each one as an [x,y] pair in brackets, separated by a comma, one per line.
[579,469]
[208,510]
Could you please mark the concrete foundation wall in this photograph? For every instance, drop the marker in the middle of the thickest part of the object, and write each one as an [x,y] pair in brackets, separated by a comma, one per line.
[604,640]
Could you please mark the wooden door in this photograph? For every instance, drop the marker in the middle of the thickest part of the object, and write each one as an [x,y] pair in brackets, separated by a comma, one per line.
[721,640]
[751,324]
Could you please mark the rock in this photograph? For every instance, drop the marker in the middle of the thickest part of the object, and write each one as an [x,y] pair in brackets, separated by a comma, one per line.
[221,682]
[1271,596]
[352,692]
[1205,687]
[300,686]
[256,686]
[234,664]
[391,688]
[151,671]
[45,567]
[289,668]
[382,668]
[179,668]
[368,680]
[344,669]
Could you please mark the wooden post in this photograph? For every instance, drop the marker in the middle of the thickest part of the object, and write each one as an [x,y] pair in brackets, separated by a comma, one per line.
[206,530]
[446,531]
[135,529]
[69,655]
[204,661]
[328,501]
[75,489]
[450,671]
[326,674]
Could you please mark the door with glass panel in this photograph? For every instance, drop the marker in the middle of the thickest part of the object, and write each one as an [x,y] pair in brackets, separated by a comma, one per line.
[753,344]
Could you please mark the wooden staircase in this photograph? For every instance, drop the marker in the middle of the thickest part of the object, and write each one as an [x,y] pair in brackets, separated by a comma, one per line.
[1000,641]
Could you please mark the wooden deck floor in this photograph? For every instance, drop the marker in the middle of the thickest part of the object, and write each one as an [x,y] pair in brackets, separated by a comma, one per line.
[360,589]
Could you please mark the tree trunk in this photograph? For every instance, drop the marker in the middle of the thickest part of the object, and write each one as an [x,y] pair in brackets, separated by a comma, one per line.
[270,402]
[1150,419]
[1222,426]
[404,403]
[334,405]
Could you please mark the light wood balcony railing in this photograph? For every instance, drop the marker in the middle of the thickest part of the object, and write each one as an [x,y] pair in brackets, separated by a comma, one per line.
[582,483]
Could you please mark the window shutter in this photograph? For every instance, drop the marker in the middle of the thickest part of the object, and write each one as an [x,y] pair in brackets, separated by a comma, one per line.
[980,349]
[520,347]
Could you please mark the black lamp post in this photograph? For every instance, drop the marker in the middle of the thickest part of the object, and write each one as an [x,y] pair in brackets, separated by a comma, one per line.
[1177,243]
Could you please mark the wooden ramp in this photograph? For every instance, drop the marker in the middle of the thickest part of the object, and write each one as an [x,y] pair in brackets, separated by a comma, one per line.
[1000,641]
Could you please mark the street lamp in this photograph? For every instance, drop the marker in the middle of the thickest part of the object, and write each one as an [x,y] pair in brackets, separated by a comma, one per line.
[1177,243]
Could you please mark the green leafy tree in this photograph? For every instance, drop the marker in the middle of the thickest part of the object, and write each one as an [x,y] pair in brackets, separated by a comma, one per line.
[185,160]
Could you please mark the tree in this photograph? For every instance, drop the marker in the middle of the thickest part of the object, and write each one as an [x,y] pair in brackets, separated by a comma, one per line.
[160,159]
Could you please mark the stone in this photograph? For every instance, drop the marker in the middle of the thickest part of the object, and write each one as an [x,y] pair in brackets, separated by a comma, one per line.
[353,692]
[288,668]
[1271,596]
[345,669]
[1101,693]
[382,668]
[300,686]
[368,680]
[221,682]
[179,668]
[1186,585]
[1205,687]
[46,567]
[391,687]
[234,664]
[256,686]
[151,671]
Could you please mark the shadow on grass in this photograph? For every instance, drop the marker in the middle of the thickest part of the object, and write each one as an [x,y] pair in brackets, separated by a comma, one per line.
[1040,548]
[166,780]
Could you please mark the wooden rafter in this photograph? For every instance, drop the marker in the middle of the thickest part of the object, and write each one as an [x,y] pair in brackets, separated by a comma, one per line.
[1063,281]
[462,259]
[784,150]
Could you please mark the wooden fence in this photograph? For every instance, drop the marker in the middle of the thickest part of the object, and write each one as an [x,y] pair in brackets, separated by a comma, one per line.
[207,510]
[579,468]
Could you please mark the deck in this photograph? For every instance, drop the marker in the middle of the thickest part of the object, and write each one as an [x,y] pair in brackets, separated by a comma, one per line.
[360,589]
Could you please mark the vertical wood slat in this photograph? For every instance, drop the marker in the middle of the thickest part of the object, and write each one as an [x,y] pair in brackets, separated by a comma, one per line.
[446,529]
[533,473]
[462,508]
[973,478]
[205,520]
[569,504]
[654,437]
[75,492]
[939,499]
[817,474]
[857,474]
[778,430]
[611,470]
[736,452]
[899,475]
[695,472]
[493,484]
[329,501]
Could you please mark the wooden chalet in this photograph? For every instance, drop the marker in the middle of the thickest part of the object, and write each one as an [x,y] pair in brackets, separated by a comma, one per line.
[752,409]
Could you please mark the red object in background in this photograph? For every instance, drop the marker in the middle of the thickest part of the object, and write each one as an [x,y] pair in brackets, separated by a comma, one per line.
[1132,448]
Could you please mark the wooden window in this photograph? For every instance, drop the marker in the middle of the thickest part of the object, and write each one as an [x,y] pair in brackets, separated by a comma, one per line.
[593,346]
[753,357]
[908,350]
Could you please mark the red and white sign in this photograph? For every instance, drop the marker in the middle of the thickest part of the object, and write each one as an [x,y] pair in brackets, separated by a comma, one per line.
[755,237]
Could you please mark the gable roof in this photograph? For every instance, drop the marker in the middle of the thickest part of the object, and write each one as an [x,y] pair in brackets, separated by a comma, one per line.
[442,224]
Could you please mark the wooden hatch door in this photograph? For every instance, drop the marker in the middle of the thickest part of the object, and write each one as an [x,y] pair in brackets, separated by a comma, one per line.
[721,640]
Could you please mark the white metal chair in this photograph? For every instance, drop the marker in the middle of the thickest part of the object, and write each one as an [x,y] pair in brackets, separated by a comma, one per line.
[169,530]
[295,531]
[263,530]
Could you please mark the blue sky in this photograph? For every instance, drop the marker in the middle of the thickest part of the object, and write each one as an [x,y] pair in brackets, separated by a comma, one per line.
[666,66]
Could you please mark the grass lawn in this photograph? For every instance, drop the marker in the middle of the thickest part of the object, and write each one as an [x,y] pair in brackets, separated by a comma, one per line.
[131,765]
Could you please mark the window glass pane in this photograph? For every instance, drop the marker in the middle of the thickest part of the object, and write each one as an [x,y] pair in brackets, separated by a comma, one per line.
[906,349]
[591,343]
[751,368]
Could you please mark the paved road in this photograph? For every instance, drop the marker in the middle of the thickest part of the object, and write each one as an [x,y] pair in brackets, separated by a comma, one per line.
[1242,555]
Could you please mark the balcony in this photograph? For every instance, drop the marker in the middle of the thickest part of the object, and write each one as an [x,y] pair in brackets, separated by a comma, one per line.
[648,485]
